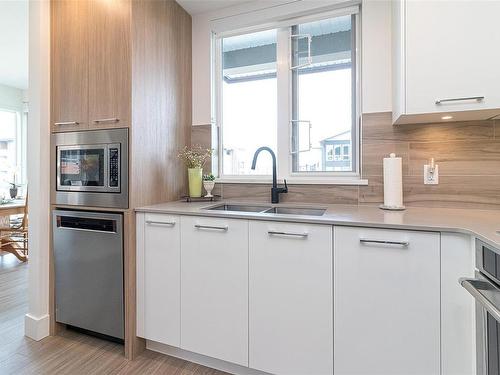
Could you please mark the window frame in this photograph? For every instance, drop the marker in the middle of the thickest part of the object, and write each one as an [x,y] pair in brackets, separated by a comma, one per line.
[21,144]
[284,110]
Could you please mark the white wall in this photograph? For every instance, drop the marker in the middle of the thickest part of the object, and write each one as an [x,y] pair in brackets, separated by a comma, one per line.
[11,98]
[376,47]
[14,43]
[37,318]
[376,74]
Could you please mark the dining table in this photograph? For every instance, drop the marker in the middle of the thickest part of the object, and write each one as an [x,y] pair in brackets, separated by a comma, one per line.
[12,207]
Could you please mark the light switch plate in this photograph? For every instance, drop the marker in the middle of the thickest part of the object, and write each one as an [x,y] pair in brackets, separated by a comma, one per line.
[431,178]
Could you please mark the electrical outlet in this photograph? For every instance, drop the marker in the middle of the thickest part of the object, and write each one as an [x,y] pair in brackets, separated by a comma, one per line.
[431,174]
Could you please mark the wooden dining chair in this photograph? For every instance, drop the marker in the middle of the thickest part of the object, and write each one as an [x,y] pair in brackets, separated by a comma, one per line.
[14,238]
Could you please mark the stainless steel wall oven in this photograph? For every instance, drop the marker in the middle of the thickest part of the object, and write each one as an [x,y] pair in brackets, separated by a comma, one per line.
[485,288]
[92,168]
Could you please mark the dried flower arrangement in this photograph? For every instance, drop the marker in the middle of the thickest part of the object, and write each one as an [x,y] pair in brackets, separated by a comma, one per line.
[195,157]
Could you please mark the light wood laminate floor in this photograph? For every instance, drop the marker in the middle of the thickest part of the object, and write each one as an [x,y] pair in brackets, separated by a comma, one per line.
[71,353]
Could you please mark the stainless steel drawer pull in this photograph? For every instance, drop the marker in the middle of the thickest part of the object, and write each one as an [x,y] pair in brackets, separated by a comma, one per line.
[67,123]
[210,227]
[478,98]
[383,242]
[277,233]
[166,223]
[107,120]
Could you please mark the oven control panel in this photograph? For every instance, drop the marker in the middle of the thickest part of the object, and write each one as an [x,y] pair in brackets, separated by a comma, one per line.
[114,167]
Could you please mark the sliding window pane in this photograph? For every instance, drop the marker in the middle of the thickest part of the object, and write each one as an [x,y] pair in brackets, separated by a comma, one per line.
[323,84]
[249,101]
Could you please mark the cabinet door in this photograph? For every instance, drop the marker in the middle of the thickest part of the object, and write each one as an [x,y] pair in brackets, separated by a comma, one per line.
[290,298]
[109,63]
[457,307]
[69,64]
[214,288]
[159,278]
[386,302]
[451,53]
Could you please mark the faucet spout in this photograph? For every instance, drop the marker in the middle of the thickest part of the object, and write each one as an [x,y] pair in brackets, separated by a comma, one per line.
[273,155]
[275,190]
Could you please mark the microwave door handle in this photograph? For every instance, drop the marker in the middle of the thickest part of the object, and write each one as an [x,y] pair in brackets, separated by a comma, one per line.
[106,167]
[470,286]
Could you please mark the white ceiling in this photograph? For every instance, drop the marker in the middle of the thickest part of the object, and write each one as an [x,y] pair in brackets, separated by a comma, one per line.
[203,6]
[14,43]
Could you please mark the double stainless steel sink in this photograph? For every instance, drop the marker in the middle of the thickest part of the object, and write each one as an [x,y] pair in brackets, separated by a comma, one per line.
[309,211]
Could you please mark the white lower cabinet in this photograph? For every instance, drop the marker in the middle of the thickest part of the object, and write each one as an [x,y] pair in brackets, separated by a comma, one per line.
[458,332]
[290,298]
[158,278]
[306,299]
[387,302]
[214,288]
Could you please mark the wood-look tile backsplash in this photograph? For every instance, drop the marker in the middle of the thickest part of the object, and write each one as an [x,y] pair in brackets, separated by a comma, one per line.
[468,154]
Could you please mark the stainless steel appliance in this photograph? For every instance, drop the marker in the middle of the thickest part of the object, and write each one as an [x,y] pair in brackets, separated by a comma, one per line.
[485,288]
[88,259]
[92,168]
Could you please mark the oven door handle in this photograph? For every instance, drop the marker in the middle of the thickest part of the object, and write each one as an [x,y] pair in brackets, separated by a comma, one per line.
[475,286]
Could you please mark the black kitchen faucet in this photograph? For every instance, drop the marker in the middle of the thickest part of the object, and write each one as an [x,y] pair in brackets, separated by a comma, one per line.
[275,190]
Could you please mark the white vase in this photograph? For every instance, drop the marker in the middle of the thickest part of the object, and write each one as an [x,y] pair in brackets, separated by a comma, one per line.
[209,186]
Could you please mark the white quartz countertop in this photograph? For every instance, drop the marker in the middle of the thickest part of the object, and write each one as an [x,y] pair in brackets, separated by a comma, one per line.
[482,224]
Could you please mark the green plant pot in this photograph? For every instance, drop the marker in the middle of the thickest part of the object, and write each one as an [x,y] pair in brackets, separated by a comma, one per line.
[195,182]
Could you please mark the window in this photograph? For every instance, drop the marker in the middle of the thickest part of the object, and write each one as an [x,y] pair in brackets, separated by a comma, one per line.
[294,89]
[322,89]
[249,105]
[12,149]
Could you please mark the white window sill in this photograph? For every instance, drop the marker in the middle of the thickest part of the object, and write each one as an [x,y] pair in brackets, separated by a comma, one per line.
[297,181]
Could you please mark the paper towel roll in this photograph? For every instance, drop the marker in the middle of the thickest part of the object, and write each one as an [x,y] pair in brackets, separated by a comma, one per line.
[393,182]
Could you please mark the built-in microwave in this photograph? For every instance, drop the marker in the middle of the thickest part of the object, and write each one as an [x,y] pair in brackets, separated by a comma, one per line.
[91,168]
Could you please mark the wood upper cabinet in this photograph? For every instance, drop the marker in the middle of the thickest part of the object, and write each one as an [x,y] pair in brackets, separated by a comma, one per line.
[91,64]
[109,63]
[69,65]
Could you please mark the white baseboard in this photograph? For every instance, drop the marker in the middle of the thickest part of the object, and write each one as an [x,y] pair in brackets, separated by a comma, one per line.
[202,359]
[36,328]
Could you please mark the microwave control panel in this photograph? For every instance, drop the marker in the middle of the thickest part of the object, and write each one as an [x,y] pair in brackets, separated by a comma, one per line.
[114,167]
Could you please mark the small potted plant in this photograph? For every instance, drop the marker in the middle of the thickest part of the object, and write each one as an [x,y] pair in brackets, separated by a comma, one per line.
[195,158]
[208,184]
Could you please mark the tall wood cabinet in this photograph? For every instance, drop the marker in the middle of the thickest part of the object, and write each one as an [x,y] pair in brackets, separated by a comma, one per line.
[126,63]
